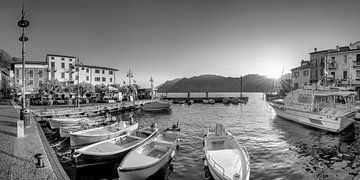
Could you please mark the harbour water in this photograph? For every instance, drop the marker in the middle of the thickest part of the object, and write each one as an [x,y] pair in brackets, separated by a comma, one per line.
[278,148]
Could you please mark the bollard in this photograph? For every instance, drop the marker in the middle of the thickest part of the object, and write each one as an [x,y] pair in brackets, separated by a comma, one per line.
[40,163]
[26,115]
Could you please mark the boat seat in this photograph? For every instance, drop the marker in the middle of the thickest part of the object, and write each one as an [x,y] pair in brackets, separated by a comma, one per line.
[218,142]
[163,143]
[135,137]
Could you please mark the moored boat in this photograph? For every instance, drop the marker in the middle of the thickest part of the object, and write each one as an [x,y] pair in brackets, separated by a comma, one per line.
[205,101]
[226,100]
[234,100]
[89,136]
[56,123]
[211,101]
[147,159]
[156,106]
[225,158]
[330,109]
[65,131]
[117,147]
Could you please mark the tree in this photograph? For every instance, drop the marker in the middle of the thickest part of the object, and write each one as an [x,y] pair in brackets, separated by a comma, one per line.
[83,88]
[50,87]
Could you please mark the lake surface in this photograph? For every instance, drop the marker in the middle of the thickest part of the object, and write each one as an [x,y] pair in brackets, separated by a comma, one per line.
[278,148]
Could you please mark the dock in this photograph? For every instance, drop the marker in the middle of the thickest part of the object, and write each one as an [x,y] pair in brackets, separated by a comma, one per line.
[17,155]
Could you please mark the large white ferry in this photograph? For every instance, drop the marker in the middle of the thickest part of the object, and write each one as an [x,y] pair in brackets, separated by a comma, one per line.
[326,108]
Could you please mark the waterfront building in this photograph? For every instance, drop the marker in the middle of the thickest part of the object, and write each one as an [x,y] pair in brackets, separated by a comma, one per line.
[343,65]
[96,75]
[300,76]
[317,64]
[61,68]
[65,70]
[35,73]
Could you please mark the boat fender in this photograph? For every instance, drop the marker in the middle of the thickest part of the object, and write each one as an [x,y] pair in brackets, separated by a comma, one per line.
[172,154]
[205,162]
[75,156]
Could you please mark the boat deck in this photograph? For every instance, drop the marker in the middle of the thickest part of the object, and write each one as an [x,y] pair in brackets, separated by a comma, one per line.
[228,161]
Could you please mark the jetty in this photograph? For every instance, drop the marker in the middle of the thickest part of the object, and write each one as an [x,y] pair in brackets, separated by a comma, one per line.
[25,152]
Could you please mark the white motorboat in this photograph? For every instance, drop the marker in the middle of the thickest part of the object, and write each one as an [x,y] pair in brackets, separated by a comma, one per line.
[150,157]
[224,157]
[65,131]
[326,108]
[89,136]
[115,148]
[56,123]
[156,106]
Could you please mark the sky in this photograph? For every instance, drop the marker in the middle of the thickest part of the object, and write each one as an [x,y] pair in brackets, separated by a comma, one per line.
[169,39]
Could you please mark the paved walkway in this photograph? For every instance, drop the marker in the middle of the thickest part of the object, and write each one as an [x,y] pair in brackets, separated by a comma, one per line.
[17,154]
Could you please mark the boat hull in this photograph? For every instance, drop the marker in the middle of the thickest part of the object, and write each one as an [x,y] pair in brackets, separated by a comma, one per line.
[56,123]
[156,106]
[315,120]
[78,140]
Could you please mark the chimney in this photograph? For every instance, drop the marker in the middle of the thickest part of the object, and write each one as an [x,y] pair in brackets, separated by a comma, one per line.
[315,49]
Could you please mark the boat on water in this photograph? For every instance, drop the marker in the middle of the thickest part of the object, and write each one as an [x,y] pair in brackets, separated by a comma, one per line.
[226,100]
[56,123]
[190,102]
[65,131]
[205,101]
[156,106]
[327,108]
[234,100]
[89,136]
[147,159]
[211,101]
[225,158]
[115,148]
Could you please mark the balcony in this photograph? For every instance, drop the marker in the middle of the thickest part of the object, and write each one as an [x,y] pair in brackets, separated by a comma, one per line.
[332,65]
[356,64]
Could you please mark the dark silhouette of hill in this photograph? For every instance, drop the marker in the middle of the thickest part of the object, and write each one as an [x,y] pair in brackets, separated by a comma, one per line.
[5,59]
[214,83]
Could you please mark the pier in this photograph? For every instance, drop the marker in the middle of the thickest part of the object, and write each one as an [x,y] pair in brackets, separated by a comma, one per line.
[31,157]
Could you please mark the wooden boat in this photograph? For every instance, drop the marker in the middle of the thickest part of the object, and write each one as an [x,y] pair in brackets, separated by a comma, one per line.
[156,106]
[55,123]
[89,136]
[115,148]
[150,157]
[65,131]
[211,101]
[224,157]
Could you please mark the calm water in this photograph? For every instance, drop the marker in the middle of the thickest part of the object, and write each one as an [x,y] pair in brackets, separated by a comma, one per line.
[279,149]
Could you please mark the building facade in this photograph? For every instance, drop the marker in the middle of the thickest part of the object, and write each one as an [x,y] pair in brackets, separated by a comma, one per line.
[4,82]
[300,76]
[343,65]
[67,70]
[35,73]
[317,64]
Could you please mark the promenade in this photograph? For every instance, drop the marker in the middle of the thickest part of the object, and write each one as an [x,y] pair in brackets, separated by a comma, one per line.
[17,154]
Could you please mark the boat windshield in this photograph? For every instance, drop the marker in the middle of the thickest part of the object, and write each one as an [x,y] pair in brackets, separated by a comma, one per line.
[321,102]
[332,101]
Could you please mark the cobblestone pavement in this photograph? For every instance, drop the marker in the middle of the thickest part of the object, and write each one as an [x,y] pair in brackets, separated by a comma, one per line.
[17,154]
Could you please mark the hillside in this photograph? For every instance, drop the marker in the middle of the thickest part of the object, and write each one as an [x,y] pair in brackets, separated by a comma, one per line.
[5,59]
[213,83]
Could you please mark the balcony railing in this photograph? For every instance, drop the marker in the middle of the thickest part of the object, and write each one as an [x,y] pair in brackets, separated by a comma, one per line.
[332,65]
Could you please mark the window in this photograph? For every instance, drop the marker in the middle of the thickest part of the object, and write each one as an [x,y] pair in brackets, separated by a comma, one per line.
[53,75]
[70,60]
[40,82]
[62,75]
[306,73]
[97,71]
[77,69]
[358,57]
[110,72]
[103,71]
[31,82]
[70,66]
[52,57]
[316,73]
[332,74]
[358,73]
[62,59]
[40,73]
[17,73]
[31,73]
[63,65]
[77,77]
[103,79]
[52,65]
[322,62]
[70,76]
[321,73]
[332,59]
[345,75]
[87,70]
[345,59]
[97,78]
[110,79]
[296,74]
[87,78]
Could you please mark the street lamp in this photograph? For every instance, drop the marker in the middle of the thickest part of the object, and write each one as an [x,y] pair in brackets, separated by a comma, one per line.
[23,23]
[130,75]
[152,87]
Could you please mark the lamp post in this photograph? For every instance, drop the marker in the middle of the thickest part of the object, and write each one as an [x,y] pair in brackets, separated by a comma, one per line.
[23,23]
[130,75]
[152,88]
